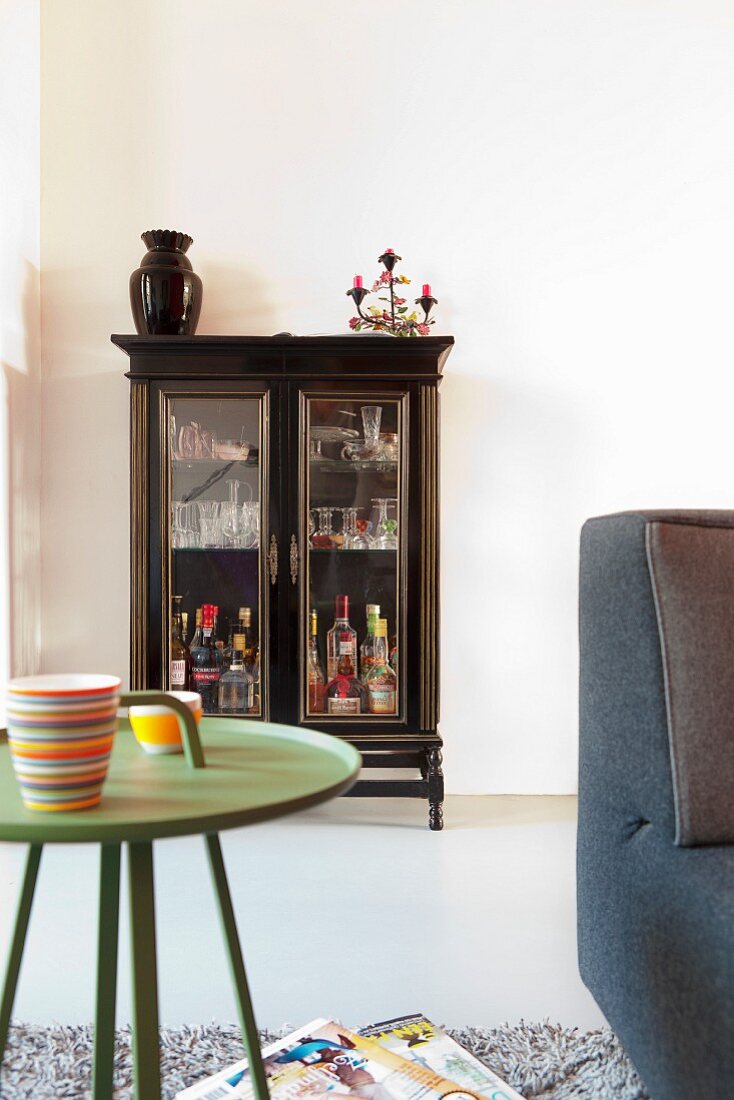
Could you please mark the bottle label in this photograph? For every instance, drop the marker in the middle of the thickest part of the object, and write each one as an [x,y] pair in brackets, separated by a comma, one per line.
[382,700]
[206,675]
[344,706]
[346,647]
[178,674]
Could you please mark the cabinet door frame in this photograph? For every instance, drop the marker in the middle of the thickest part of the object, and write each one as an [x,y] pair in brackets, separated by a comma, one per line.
[152,567]
[412,493]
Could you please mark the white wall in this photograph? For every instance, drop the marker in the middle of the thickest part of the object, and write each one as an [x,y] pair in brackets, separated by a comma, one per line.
[562,173]
[20,332]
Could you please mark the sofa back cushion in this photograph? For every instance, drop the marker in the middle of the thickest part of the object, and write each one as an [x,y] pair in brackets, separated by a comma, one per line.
[692,574]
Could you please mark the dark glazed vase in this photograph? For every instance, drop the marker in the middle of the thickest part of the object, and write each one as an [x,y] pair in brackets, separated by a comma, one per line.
[165,291]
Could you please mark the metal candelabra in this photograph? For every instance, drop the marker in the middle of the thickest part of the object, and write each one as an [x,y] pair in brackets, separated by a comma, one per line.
[392,320]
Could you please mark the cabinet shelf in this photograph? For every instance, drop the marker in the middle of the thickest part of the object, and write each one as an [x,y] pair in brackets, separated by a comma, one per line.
[216,550]
[213,463]
[349,553]
[342,466]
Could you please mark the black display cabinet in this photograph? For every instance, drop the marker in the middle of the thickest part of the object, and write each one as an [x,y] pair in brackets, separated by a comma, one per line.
[277,473]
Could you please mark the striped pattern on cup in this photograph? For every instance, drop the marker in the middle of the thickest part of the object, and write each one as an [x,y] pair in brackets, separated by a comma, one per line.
[60,732]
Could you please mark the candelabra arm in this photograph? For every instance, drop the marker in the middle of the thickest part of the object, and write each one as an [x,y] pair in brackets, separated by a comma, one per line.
[426,302]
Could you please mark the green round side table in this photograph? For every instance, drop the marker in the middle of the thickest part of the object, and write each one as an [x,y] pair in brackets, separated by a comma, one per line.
[247,772]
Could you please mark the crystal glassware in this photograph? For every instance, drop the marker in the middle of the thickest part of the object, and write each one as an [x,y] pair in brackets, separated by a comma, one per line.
[193,537]
[363,527]
[209,523]
[371,419]
[179,537]
[384,527]
[250,524]
[388,540]
[338,538]
[231,517]
[323,537]
[357,537]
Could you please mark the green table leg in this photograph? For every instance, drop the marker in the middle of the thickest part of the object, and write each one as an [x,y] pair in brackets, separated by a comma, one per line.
[237,966]
[146,1053]
[22,916]
[107,935]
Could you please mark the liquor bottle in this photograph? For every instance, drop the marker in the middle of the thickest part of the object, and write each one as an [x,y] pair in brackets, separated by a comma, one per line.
[196,640]
[367,649]
[245,628]
[345,694]
[184,626]
[219,642]
[228,650]
[254,670]
[316,677]
[341,639]
[393,660]
[179,672]
[381,682]
[206,662]
[235,686]
[252,655]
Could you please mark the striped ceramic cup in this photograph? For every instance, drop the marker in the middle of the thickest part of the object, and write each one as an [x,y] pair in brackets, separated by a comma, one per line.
[60,732]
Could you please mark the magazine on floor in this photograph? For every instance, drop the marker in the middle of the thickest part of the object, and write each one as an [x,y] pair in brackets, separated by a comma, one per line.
[325,1057]
[417,1039]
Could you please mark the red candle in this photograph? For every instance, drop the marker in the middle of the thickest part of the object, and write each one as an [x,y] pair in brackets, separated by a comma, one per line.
[426,290]
[357,283]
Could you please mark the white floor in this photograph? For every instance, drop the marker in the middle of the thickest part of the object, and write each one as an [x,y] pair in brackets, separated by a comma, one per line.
[353,909]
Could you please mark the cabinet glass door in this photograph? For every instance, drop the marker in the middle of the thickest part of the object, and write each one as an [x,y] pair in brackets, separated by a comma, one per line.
[213,591]
[354,526]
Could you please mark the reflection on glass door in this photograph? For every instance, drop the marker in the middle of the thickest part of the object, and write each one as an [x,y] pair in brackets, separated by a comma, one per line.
[355,528]
[215,496]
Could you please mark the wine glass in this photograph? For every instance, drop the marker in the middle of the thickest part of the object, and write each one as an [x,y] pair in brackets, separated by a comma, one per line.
[357,537]
[322,539]
[363,528]
[315,450]
[339,538]
[388,540]
[385,528]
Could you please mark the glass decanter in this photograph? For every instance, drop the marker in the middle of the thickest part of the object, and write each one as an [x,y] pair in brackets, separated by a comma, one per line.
[231,517]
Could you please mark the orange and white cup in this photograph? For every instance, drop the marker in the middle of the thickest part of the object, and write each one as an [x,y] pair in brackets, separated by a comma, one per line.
[157,728]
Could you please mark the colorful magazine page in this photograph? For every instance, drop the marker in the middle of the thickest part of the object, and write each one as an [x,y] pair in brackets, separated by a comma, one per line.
[416,1038]
[234,1081]
[325,1058]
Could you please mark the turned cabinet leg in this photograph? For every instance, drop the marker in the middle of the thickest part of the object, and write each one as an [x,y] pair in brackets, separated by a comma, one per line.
[435,789]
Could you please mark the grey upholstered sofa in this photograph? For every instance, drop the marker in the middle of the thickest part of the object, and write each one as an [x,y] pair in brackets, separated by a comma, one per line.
[656,793]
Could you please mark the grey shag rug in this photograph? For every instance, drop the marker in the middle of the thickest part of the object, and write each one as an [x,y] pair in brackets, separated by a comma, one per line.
[539,1060]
